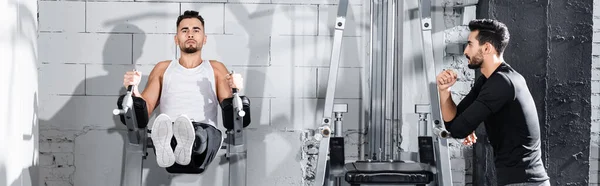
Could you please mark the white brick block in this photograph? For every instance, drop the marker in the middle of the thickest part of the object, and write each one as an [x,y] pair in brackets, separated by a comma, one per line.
[57,183]
[56,159]
[294,113]
[593,178]
[100,146]
[249,1]
[77,112]
[594,151]
[595,87]
[596,23]
[212,13]
[193,1]
[108,79]
[594,165]
[595,113]
[348,85]
[595,61]
[316,51]
[56,147]
[596,9]
[260,110]
[85,48]
[258,19]
[134,17]
[153,48]
[351,147]
[356,20]
[595,100]
[458,34]
[596,37]
[595,74]
[239,50]
[56,173]
[65,16]
[456,154]
[457,164]
[595,49]
[57,135]
[318,1]
[267,168]
[280,82]
[350,120]
[105,79]
[46,159]
[64,79]
[64,159]
[458,177]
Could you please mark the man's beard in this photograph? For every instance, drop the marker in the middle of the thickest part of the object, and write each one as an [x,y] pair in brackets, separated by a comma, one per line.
[190,50]
[476,61]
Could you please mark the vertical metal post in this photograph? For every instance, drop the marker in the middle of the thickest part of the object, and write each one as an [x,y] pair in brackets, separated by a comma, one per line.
[135,149]
[325,129]
[236,150]
[441,144]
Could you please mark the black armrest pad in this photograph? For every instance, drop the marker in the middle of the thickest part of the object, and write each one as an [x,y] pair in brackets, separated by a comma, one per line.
[227,114]
[141,110]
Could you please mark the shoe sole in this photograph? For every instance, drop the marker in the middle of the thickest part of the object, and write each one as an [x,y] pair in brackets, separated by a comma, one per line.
[162,133]
[184,133]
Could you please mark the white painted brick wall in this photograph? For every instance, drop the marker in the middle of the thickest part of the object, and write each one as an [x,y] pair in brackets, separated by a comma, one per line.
[595,100]
[93,48]
[62,17]
[149,17]
[281,48]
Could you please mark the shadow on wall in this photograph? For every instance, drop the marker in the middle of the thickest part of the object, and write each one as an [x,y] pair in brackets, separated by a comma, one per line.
[258,39]
[86,119]
[156,175]
[21,91]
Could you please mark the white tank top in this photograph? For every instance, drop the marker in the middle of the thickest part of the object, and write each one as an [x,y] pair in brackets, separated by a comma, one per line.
[191,92]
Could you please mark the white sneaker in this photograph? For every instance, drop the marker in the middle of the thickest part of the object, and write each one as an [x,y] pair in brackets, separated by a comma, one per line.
[184,133]
[162,132]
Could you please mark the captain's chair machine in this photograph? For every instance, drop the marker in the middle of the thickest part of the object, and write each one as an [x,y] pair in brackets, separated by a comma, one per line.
[433,166]
[134,115]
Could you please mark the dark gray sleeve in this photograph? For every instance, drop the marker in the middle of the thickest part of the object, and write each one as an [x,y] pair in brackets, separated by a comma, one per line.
[494,94]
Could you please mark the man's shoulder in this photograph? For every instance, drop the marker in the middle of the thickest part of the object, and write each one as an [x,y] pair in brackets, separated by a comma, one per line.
[162,64]
[161,67]
[217,65]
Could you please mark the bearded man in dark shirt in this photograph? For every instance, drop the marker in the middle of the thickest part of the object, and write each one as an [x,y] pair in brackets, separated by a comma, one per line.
[501,99]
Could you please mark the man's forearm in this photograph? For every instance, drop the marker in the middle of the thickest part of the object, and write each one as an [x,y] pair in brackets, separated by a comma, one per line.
[447,105]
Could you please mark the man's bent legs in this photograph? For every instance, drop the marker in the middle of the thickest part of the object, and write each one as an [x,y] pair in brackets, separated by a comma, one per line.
[212,140]
[208,141]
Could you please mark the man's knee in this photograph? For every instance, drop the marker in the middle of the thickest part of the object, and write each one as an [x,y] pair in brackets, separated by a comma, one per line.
[228,111]
[200,144]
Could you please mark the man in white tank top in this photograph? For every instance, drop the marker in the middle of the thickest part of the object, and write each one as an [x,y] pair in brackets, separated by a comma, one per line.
[189,91]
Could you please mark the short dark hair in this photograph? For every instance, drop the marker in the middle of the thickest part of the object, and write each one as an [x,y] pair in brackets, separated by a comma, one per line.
[492,31]
[190,14]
